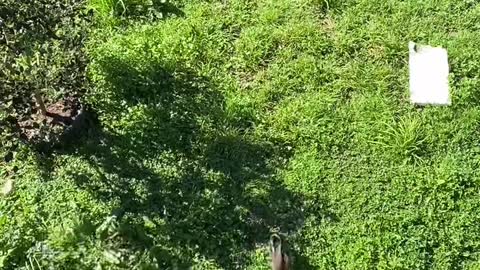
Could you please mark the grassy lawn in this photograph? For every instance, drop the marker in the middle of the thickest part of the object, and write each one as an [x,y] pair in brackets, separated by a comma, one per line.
[221,122]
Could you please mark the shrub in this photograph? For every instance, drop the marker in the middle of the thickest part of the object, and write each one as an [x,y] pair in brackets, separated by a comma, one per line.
[42,54]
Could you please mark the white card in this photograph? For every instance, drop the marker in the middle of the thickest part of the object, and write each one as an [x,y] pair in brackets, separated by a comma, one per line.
[428,75]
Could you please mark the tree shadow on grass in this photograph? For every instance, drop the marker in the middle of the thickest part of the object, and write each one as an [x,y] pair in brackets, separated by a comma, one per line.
[186,185]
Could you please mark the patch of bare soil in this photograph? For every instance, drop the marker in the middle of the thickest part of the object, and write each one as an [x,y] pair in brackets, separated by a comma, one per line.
[63,117]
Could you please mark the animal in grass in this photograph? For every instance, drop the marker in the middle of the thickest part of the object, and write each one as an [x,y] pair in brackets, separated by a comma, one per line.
[280,260]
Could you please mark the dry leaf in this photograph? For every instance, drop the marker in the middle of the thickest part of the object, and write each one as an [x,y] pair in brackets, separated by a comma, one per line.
[7,187]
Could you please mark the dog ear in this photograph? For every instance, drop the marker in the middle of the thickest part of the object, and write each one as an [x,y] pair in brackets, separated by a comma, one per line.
[286,262]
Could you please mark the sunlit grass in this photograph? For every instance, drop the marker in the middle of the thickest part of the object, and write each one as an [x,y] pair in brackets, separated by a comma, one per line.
[230,120]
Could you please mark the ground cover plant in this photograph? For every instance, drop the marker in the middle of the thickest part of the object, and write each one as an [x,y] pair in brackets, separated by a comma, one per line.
[220,122]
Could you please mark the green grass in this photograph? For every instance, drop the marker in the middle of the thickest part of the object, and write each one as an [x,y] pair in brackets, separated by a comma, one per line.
[224,121]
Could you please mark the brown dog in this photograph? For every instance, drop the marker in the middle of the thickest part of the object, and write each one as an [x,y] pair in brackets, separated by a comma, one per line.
[280,260]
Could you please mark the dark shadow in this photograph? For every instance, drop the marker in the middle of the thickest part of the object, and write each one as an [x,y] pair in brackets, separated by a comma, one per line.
[296,260]
[211,192]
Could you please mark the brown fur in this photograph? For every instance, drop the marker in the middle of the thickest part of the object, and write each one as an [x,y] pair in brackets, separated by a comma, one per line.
[280,260]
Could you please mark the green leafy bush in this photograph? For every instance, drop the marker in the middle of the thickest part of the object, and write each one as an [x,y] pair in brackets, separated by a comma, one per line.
[41,52]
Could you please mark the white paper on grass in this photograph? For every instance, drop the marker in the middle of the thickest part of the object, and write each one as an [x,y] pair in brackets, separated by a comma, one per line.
[428,75]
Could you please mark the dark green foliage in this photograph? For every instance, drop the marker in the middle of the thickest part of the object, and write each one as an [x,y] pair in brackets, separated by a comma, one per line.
[148,10]
[41,49]
[124,13]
